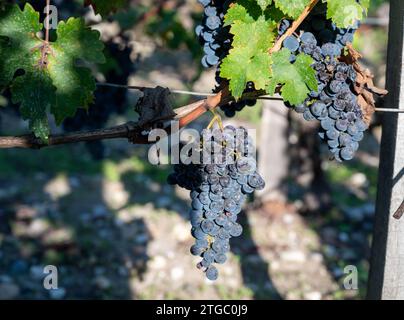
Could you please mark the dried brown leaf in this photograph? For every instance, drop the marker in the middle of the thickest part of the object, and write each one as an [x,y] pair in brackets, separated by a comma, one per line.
[364,86]
[154,107]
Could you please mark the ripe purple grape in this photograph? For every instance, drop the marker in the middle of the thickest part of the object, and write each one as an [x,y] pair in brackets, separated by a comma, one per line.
[212,273]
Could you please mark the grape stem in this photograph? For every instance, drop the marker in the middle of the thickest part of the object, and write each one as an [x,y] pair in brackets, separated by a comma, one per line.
[278,44]
[44,47]
[216,119]
[47,22]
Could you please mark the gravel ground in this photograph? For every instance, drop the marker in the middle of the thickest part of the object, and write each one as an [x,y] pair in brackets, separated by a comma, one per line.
[129,238]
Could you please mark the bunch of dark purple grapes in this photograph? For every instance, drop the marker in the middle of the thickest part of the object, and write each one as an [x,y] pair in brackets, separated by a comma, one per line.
[216,41]
[230,109]
[219,184]
[212,35]
[334,104]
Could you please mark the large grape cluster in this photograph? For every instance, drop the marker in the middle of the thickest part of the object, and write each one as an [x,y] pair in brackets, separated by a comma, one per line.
[334,104]
[218,190]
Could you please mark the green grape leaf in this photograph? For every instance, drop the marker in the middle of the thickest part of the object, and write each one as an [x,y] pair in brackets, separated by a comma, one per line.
[345,13]
[244,10]
[240,67]
[249,60]
[3,5]
[264,3]
[292,8]
[297,79]
[75,85]
[237,12]
[274,14]
[105,7]
[365,4]
[17,41]
[52,80]
[35,92]
[256,36]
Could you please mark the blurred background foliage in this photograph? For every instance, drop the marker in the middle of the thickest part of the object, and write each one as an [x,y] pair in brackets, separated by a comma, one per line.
[105,216]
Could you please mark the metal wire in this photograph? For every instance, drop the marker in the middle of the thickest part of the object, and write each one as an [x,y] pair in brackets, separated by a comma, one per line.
[182,92]
[207,94]
[389,110]
[379,22]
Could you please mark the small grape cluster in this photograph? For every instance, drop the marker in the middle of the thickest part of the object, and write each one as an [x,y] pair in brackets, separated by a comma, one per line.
[230,109]
[211,33]
[325,30]
[218,190]
[216,41]
[334,104]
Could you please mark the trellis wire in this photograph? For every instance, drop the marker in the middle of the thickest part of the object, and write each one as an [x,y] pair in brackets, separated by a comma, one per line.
[206,94]
[378,22]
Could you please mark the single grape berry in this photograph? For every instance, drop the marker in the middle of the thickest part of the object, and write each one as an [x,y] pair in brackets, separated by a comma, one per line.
[212,273]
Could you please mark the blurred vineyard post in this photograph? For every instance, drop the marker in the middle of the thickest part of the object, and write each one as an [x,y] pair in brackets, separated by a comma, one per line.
[273,150]
[386,279]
